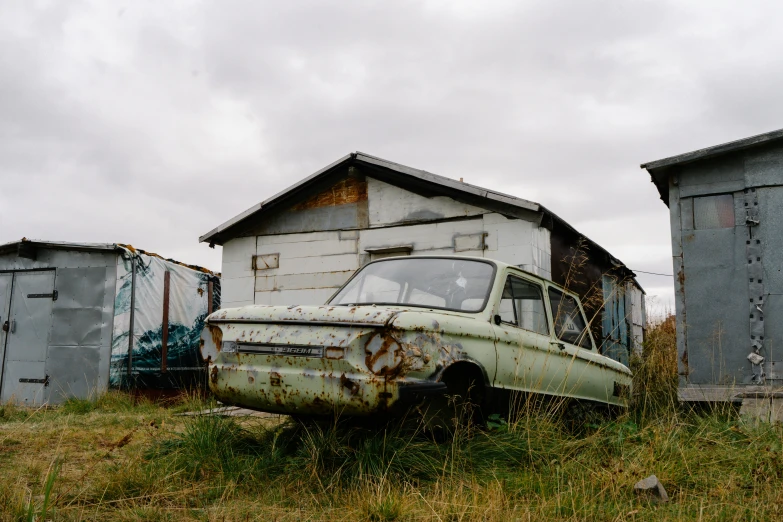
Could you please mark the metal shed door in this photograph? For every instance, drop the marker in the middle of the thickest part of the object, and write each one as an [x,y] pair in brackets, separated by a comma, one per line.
[30,317]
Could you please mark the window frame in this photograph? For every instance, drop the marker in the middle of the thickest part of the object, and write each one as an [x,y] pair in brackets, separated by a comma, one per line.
[542,291]
[702,197]
[591,342]
[490,288]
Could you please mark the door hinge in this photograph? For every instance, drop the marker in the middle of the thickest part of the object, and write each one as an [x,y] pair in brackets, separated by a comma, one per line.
[44,381]
[52,296]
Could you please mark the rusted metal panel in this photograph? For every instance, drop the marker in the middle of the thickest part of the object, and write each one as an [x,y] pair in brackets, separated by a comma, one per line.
[266,261]
[722,264]
[348,190]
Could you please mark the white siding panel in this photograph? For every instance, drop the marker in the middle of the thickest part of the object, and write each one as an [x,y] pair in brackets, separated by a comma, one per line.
[514,233]
[474,253]
[297,297]
[494,218]
[310,265]
[309,248]
[239,289]
[234,304]
[312,281]
[237,278]
[278,239]
[266,283]
[237,269]
[263,298]
[517,255]
[241,249]
[509,240]
[518,242]
[422,237]
[541,245]
[389,205]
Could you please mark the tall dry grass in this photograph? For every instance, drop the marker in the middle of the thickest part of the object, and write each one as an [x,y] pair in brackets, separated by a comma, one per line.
[537,465]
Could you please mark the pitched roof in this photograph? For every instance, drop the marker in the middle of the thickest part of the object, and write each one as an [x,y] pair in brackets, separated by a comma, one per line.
[384,170]
[658,168]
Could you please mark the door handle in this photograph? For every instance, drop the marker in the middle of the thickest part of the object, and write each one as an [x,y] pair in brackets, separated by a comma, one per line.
[558,344]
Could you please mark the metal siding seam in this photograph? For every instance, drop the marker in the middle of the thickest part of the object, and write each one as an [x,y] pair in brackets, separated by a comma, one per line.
[753,250]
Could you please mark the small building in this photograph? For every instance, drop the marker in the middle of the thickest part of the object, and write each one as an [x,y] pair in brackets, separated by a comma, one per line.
[300,245]
[77,318]
[726,213]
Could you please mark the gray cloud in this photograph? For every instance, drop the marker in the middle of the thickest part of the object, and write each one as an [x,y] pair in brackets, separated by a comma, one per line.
[152,122]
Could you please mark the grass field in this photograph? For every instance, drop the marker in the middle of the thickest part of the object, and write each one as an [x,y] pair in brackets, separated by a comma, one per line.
[113,459]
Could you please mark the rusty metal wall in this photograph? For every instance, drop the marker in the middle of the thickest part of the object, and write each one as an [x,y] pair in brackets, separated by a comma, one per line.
[728,279]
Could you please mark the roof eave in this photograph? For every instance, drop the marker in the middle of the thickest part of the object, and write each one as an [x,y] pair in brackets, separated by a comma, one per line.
[219,235]
[715,150]
[59,245]
[214,235]
[659,168]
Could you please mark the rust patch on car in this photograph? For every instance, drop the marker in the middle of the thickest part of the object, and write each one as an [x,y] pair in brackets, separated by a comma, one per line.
[217,335]
[352,386]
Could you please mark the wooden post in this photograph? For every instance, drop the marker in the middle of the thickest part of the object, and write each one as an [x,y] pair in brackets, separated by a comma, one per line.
[164,342]
[210,294]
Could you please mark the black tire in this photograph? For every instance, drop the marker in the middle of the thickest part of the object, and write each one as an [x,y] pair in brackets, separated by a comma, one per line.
[462,405]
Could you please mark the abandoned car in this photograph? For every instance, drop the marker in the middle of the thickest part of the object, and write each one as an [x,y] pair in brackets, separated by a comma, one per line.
[403,330]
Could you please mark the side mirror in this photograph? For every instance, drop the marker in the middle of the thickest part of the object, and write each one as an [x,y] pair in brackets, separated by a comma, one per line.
[496,318]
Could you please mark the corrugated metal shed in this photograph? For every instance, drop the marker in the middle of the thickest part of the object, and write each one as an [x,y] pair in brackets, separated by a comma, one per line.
[76,317]
[726,214]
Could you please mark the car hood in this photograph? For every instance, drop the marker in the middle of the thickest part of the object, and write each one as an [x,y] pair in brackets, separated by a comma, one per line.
[313,315]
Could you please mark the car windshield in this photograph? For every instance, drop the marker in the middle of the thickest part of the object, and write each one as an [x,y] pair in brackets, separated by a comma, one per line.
[453,284]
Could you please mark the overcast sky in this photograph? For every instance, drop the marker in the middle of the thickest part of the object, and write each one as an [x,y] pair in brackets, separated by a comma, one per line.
[150,123]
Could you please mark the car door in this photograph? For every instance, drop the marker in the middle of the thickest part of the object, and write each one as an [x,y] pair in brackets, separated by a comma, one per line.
[522,336]
[582,372]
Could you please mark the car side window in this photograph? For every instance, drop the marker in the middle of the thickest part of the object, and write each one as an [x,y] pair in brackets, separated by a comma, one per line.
[522,304]
[570,324]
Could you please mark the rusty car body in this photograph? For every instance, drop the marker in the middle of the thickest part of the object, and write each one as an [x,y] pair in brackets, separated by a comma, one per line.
[403,330]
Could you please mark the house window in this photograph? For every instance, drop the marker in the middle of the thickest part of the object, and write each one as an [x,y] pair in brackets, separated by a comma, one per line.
[713,212]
